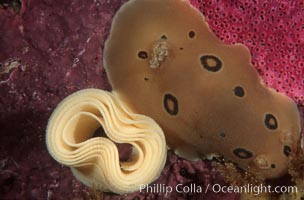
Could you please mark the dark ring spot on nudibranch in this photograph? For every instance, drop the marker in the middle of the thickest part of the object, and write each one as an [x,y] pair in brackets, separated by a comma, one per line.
[171,104]
[163,37]
[271,122]
[223,134]
[287,150]
[242,153]
[142,54]
[239,91]
[191,34]
[211,63]
[273,166]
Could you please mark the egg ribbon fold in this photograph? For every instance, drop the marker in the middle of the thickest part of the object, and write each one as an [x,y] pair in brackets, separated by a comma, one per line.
[95,160]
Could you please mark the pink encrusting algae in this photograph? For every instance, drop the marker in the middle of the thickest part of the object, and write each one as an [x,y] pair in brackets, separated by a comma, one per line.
[274,33]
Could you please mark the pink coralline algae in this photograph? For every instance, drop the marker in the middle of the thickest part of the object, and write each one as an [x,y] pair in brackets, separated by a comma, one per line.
[274,33]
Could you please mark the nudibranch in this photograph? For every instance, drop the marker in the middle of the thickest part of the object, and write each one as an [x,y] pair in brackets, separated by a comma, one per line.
[163,60]
[190,90]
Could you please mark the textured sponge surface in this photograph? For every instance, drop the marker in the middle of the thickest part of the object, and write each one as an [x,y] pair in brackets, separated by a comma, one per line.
[274,33]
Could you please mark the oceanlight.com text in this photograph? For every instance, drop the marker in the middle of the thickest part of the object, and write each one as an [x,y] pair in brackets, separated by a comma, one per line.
[254,189]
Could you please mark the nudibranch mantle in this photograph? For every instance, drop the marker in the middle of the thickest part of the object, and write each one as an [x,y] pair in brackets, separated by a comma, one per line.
[204,94]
